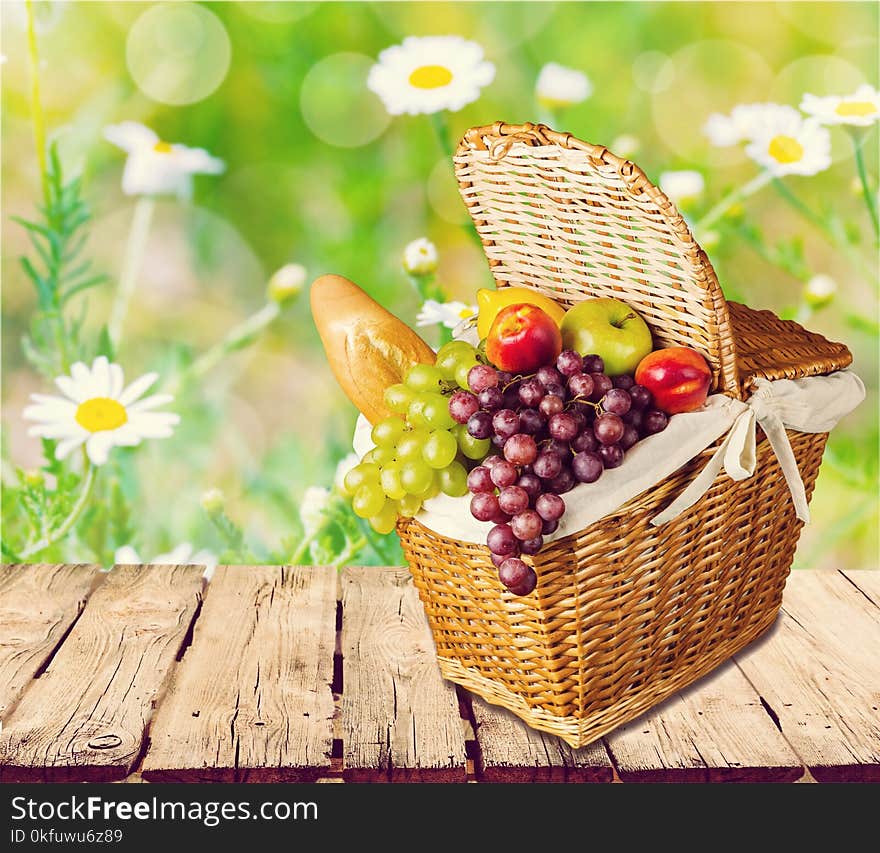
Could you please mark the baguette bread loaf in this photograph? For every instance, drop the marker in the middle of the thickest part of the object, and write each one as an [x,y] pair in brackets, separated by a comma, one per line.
[368,347]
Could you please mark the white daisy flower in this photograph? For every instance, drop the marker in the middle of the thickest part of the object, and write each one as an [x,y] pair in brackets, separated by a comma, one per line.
[861,108]
[789,145]
[682,187]
[820,290]
[312,508]
[429,74]
[182,555]
[345,465]
[420,257]
[558,86]
[97,410]
[449,314]
[745,122]
[155,167]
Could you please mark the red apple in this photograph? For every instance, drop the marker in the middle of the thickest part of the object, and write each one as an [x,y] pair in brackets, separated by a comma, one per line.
[677,377]
[523,338]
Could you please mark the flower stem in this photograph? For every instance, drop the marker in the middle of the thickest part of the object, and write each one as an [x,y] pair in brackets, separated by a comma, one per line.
[238,337]
[866,189]
[131,265]
[758,182]
[303,547]
[441,131]
[807,212]
[352,549]
[834,234]
[444,137]
[36,108]
[64,528]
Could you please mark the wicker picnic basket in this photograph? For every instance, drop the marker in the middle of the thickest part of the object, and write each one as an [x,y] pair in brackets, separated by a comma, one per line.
[624,613]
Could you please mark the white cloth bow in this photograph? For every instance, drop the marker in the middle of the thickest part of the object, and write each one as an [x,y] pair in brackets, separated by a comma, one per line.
[801,404]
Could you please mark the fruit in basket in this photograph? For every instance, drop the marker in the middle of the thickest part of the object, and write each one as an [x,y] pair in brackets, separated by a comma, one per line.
[610,329]
[677,377]
[490,302]
[563,425]
[368,348]
[522,338]
[420,449]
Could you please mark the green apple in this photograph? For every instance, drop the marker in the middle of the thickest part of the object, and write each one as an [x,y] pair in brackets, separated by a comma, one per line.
[609,328]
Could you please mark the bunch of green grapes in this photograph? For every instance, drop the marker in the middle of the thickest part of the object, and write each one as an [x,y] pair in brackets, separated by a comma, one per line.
[420,450]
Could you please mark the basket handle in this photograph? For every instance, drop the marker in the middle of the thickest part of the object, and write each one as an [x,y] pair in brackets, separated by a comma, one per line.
[502,198]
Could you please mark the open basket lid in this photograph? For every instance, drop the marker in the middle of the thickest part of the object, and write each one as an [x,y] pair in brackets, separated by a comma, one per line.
[574,221]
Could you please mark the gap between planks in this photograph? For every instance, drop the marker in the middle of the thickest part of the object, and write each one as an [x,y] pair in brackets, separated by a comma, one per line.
[40,604]
[869,590]
[251,699]
[85,717]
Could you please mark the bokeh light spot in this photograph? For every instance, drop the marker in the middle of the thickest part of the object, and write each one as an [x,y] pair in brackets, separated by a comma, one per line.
[336,104]
[653,71]
[701,85]
[178,53]
[275,12]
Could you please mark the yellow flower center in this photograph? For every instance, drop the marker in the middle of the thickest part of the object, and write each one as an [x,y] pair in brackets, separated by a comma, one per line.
[430,77]
[162,147]
[785,149]
[856,108]
[100,414]
[466,312]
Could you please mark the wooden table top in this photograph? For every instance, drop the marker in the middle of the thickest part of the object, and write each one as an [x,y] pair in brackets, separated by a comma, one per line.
[279,673]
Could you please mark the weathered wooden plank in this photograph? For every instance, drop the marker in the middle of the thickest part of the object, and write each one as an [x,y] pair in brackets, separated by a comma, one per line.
[820,674]
[38,604]
[400,719]
[84,719]
[868,583]
[509,751]
[716,730]
[251,699]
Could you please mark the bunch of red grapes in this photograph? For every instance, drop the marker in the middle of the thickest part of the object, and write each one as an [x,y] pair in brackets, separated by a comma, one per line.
[562,426]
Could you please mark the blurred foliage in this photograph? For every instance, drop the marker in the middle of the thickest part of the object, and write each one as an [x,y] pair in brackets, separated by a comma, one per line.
[318,174]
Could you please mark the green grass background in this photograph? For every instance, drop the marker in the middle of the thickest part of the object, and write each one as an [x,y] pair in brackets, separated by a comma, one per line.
[270,421]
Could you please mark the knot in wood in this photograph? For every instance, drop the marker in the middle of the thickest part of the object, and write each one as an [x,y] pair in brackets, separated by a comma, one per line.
[108,741]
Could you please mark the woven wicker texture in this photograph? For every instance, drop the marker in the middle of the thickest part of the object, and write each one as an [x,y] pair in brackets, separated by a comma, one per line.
[770,348]
[624,613]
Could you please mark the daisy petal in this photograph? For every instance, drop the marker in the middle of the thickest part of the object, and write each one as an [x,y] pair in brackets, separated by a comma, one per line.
[64,448]
[70,388]
[117,381]
[101,376]
[127,436]
[153,424]
[50,399]
[57,429]
[199,160]
[98,446]
[82,376]
[51,411]
[130,394]
[150,402]
[129,135]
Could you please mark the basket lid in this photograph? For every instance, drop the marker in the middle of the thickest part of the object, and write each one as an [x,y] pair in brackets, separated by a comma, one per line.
[574,221]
